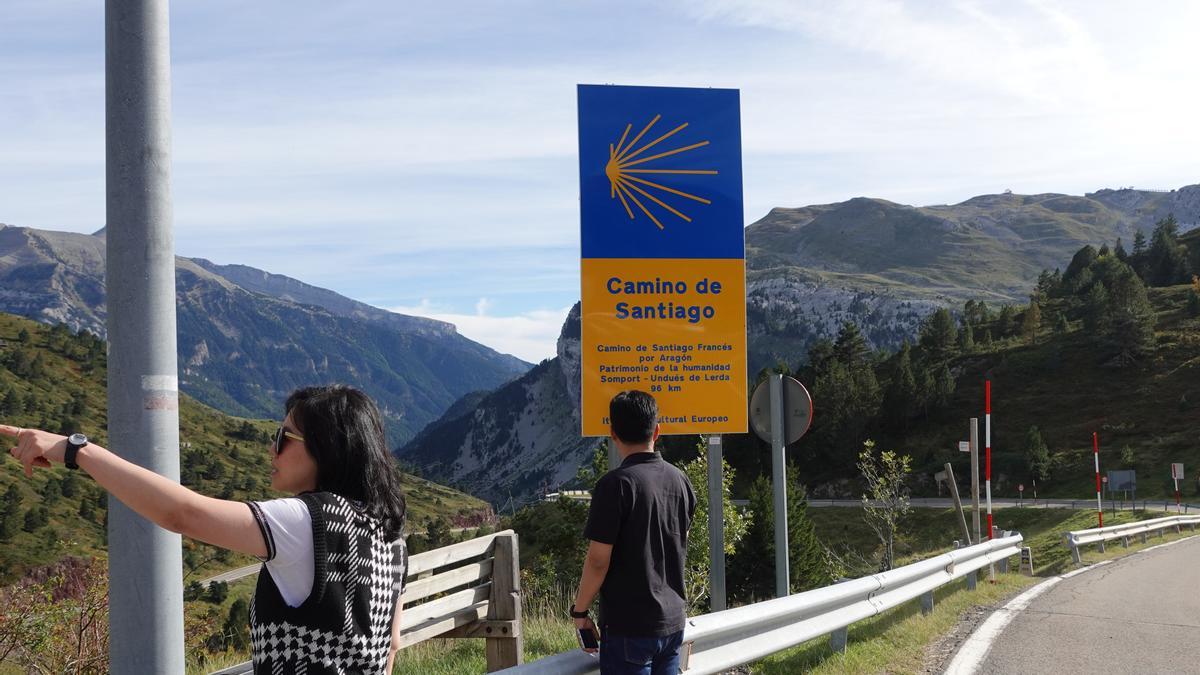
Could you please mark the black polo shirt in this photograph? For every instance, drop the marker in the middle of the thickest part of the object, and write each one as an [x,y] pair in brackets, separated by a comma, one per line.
[644,509]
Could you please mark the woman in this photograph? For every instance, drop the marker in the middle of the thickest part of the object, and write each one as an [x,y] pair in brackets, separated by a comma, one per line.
[334,552]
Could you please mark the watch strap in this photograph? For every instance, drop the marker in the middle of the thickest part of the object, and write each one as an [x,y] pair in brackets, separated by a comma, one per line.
[579,615]
[71,452]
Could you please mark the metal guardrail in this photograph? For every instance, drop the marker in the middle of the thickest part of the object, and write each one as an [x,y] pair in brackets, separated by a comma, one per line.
[722,640]
[1099,535]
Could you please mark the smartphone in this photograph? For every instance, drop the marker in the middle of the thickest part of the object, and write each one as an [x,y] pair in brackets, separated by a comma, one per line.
[588,638]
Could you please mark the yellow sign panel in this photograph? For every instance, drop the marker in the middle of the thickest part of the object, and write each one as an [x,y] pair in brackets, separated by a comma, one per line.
[673,327]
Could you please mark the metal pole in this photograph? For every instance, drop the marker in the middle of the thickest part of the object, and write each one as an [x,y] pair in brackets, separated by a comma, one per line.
[962,517]
[716,525]
[987,444]
[975,477]
[145,566]
[1096,456]
[614,457]
[779,479]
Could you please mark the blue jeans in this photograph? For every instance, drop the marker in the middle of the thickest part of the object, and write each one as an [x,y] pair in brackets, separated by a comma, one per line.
[620,655]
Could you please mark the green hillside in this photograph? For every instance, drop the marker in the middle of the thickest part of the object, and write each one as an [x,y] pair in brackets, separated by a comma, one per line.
[52,379]
[1101,353]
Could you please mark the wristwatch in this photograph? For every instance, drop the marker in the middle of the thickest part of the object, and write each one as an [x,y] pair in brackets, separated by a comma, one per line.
[74,443]
[578,615]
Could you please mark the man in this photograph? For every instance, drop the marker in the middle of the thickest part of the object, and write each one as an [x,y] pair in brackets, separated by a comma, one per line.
[637,526]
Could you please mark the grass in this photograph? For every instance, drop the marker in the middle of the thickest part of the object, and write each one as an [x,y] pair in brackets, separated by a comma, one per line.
[544,636]
[895,641]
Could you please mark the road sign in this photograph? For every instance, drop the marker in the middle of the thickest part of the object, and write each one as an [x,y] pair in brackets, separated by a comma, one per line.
[1177,471]
[964,446]
[1104,479]
[1021,488]
[663,267]
[797,410]
[1119,481]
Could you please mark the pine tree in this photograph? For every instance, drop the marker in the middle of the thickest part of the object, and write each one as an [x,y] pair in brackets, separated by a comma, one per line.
[752,567]
[10,513]
[938,335]
[966,338]
[1032,323]
[35,518]
[1130,325]
[850,348]
[1095,308]
[1139,242]
[1006,322]
[1082,260]
[1167,259]
[237,625]
[944,387]
[1037,455]
[87,510]
[902,398]
[1120,252]
[1060,323]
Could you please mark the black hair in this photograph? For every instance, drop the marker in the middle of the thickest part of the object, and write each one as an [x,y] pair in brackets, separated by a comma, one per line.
[633,415]
[343,432]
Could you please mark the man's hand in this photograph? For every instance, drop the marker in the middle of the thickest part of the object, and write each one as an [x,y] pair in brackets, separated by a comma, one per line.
[587,624]
[35,447]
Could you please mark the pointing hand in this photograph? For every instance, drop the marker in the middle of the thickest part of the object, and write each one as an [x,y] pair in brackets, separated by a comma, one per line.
[35,447]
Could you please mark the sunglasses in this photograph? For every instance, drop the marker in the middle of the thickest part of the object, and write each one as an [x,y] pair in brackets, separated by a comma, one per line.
[281,436]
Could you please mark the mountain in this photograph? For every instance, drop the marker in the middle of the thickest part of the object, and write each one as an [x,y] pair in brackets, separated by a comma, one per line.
[52,379]
[513,441]
[246,337]
[882,265]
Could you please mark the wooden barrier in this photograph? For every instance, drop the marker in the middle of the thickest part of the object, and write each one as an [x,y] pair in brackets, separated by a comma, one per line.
[467,590]
[471,589]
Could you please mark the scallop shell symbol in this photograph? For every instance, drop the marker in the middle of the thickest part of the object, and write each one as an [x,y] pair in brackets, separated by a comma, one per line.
[625,164]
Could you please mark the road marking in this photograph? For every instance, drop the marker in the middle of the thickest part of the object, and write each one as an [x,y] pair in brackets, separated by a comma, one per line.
[970,656]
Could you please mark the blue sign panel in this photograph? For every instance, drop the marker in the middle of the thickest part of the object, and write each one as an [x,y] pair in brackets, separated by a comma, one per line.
[660,172]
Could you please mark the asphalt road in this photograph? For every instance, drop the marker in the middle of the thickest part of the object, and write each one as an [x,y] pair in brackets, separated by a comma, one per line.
[1140,614]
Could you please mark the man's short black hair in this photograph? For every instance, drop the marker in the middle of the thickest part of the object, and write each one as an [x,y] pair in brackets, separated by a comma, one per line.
[634,416]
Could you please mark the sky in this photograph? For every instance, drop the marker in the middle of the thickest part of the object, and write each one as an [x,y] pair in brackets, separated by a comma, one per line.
[422,157]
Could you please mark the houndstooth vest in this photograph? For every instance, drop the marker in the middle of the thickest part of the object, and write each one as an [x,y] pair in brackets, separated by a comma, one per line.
[345,624]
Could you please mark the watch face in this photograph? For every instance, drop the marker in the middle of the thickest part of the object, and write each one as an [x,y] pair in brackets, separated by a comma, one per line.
[77,439]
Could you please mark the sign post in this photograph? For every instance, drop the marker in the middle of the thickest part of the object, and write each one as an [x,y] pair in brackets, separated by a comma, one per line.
[962,517]
[1021,494]
[1096,456]
[780,413]
[1177,475]
[716,525]
[987,444]
[662,269]
[974,447]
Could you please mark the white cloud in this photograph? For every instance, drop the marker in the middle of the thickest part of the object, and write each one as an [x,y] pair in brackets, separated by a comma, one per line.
[531,336]
[399,152]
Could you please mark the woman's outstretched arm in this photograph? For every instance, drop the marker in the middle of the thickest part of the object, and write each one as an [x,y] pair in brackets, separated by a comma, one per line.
[164,502]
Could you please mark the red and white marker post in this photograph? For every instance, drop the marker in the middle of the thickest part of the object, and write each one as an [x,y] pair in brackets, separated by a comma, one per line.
[1096,454]
[987,444]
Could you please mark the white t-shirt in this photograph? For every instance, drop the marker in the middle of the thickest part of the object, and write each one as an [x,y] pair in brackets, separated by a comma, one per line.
[289,525]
